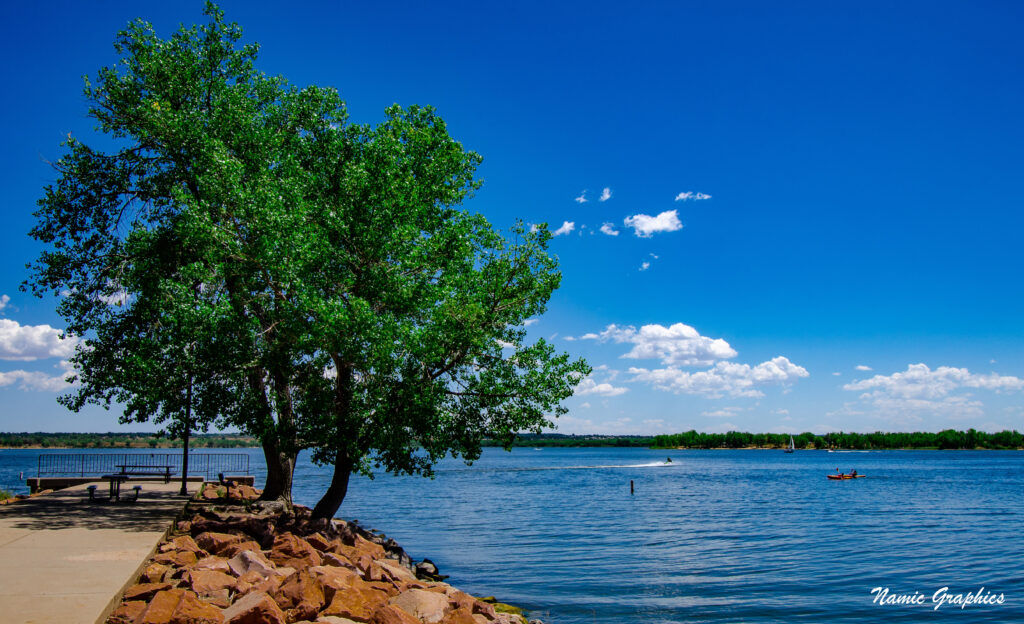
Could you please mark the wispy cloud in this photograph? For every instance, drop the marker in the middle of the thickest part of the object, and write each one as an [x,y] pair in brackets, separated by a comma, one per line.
[862,367]
[644,266]
[724,412]
[606,194]
[645,226]
[530,321]
[4,300]
[582,199]
[567,227]
[609,229]
[688,195]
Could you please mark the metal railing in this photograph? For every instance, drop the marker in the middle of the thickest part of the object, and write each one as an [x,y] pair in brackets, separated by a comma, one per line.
[94,464]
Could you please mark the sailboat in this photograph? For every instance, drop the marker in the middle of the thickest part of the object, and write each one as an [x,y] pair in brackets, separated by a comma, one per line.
[791,446]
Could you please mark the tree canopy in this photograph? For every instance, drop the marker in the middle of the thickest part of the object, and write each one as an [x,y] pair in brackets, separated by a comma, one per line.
[317,281]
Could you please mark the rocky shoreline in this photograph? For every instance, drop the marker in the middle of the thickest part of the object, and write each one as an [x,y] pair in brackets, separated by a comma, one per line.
[228,562]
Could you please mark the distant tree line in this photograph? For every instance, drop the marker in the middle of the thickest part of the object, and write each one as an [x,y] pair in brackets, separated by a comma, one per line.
[568,440]
[114,440]
[945,439]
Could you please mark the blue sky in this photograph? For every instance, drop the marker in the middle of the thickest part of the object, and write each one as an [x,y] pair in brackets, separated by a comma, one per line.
[798,190]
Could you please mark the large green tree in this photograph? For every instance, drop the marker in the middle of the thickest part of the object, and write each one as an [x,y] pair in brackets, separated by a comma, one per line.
[244,248]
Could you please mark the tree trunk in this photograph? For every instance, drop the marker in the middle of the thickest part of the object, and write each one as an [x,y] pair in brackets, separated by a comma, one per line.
[280,470]
[335,494]
[329,503]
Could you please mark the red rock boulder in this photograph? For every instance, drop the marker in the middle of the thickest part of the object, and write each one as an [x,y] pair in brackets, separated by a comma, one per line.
[215,543]
[127,612]
[301,596]
[254,608]
[427,606]
[206,582]
[291,550]
[357,603]
[178,606]
[145,591]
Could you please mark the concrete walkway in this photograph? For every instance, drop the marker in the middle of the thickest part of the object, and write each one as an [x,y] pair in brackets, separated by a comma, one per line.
[63,559]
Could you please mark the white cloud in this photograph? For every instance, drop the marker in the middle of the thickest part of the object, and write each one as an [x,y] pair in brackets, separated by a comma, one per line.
[530,321]
[505,345]
[567,227]
[4,300]
[780,412]
[606,194]
[862,367]
[724,378]
[920,382]
[36,380]
[588,386]
[644,266]
[645,226]
[688,195]
[609,229]
[32,342]
[836,374]
[904,397]
[533,228]
[582,199]
[585,405]
[678,344]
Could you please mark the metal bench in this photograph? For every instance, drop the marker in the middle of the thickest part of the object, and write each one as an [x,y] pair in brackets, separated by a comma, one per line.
[147,470]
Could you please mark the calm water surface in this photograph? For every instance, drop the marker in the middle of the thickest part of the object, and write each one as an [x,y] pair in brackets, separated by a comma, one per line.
[714,536]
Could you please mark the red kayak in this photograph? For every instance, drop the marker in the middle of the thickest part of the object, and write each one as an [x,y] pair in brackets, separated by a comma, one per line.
[840,477]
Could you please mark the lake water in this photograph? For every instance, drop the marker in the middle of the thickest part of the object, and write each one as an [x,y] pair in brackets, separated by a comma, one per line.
[714,536]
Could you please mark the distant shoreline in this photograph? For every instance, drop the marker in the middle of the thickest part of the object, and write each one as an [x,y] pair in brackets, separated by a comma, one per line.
[948,439]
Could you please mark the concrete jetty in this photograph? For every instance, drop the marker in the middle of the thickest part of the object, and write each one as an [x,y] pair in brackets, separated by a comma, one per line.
[64,559]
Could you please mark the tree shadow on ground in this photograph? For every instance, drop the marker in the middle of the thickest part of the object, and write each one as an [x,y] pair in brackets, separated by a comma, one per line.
[71,509]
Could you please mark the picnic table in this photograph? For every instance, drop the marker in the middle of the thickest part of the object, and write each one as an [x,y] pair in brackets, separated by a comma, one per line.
[115,484]
[132,470]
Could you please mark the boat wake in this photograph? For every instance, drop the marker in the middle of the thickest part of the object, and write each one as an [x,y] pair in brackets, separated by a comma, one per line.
[535,468]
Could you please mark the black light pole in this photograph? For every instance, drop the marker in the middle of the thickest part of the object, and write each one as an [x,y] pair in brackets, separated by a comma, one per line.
[188,425]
